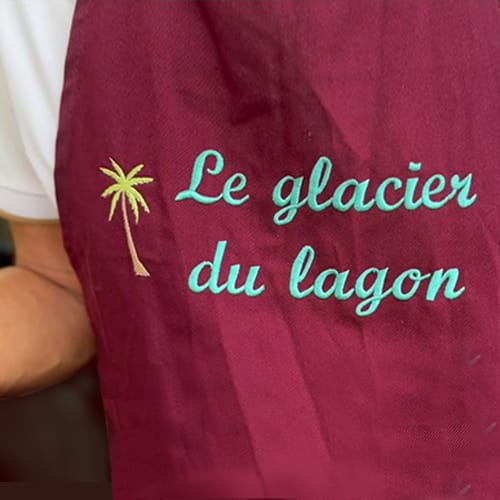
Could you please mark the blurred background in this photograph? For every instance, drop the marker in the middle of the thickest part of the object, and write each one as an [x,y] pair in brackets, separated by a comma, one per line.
[57,434]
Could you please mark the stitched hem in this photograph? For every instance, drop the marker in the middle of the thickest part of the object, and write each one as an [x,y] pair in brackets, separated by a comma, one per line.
[18,206]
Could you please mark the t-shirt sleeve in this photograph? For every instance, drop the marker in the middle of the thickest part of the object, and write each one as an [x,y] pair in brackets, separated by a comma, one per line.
[33,42]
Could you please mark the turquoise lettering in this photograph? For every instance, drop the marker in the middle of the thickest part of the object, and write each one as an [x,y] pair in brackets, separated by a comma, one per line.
[352,194]
[439,278]
[214,269]
[373,294]
[357,198]
[337,287]
[411,274]
[411,185]
[300,268]
[248,288]
[429,190]
[319,179]
[235,183]
[371,286]
[463,187]
[382,203]
[290,202]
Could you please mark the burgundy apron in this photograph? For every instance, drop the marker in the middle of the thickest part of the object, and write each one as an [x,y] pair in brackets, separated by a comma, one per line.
[285,218]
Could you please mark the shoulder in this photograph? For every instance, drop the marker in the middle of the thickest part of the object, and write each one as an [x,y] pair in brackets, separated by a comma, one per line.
[33,43]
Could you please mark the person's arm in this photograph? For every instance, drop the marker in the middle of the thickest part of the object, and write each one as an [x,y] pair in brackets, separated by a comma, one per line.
[45,334]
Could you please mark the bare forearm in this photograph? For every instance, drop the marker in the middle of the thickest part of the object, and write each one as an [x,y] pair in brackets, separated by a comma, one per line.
[45,335]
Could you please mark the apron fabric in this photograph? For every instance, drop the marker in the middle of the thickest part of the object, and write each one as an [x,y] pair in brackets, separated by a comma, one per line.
[237,356]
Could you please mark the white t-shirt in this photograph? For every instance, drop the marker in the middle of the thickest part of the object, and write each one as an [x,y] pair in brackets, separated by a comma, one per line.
[33,43]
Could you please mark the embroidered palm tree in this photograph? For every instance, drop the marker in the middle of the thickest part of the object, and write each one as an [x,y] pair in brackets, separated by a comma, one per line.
[125,189]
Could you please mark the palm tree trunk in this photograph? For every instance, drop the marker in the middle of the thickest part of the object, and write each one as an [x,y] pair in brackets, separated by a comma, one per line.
[139,268]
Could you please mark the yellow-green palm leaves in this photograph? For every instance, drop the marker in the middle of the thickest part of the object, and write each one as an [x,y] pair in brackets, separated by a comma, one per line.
[125,188]
[125,185]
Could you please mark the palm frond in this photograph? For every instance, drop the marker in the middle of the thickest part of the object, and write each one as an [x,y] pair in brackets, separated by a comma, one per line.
[133,205]
[135,171]
[140,180]
[114,201]
[110,173]
[117,167]
[110,190]
[124,186]
[138,196]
